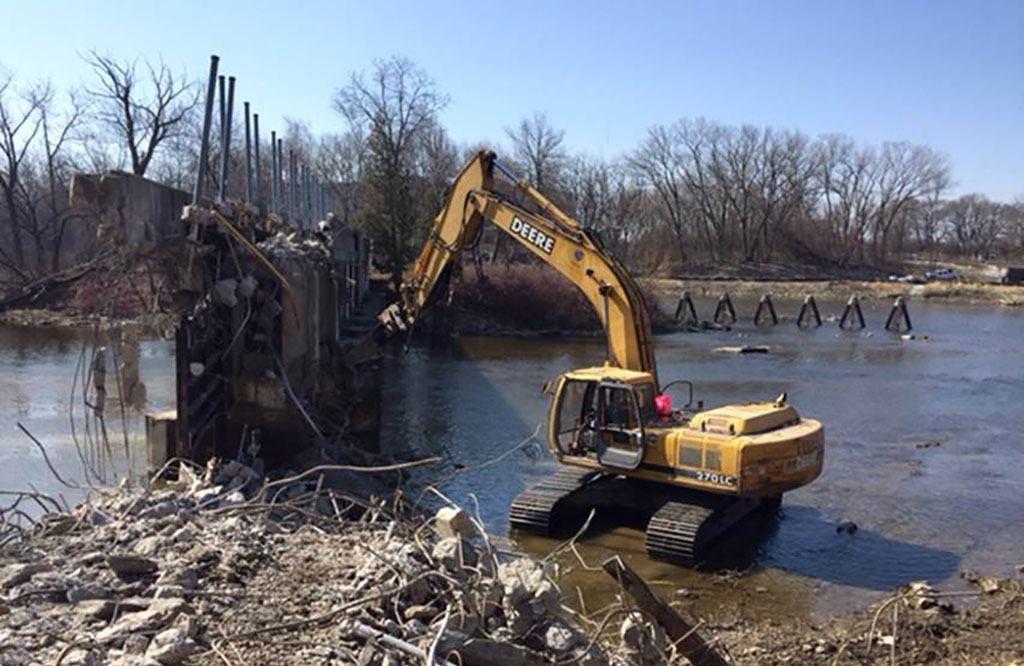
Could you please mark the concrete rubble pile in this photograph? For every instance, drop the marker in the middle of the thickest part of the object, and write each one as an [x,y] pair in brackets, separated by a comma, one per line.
[222,562]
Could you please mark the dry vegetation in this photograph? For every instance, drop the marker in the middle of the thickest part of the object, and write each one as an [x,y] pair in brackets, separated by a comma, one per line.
[521,299]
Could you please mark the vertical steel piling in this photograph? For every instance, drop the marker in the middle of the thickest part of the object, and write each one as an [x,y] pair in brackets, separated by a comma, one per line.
[204,146]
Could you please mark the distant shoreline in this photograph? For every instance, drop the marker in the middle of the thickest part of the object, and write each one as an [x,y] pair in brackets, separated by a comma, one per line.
[946,292]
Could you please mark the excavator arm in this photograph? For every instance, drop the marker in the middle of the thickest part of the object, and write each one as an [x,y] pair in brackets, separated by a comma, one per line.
[552,236]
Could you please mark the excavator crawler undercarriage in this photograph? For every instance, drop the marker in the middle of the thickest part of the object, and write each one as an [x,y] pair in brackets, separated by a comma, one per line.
[681,525]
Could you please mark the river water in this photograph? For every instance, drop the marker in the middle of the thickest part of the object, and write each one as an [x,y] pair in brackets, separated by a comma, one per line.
[37,375]
[923,513]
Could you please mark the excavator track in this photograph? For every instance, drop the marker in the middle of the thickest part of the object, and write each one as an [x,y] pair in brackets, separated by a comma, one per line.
[682,532]
[674,532]
[533,508]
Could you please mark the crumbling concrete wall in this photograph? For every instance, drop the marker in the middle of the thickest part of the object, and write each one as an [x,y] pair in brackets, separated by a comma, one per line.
[265,310]
[131,212]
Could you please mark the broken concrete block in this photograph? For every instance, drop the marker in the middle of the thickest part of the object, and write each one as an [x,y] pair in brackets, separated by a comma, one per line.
[131,565]
[560,637]
[454,554]
[136,644]
[644,640]
[159,614]
[148,546]
[223,292]
[95,609]
[16,574]
[452,521]
[171,647]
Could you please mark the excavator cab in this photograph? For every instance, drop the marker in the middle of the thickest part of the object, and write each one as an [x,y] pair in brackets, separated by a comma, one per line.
[598,415]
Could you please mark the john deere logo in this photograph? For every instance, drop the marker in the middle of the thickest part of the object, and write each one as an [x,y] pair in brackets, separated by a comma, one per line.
[533,235]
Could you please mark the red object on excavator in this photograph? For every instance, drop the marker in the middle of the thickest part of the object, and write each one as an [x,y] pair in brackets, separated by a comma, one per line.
[663,405]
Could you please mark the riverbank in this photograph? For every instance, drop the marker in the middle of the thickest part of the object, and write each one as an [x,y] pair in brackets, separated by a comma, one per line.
[223,566]
[939,292]
[159,326]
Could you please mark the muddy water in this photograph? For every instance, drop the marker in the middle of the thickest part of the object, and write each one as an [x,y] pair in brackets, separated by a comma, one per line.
[923,513]
[37,371]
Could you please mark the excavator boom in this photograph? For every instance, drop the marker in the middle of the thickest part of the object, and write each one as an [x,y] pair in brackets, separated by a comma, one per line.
[552,236]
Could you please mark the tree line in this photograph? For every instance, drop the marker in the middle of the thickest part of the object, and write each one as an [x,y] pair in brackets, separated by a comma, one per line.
[695,192]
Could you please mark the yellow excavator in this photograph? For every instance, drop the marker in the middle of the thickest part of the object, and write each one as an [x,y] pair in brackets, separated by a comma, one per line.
[693,473]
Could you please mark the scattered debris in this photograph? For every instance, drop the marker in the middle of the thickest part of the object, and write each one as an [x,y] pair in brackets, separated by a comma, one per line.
[847,526]
[237,564]
[745,349]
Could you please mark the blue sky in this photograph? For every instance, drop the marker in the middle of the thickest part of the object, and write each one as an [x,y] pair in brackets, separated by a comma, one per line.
[948,74]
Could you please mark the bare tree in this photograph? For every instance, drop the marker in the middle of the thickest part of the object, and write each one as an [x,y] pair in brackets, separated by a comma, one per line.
[538,147]
[50,215]
[846,177]
[976,224]
[608,197]
[393,108]
[907,173]
[20,124]
[144,111]
[659,162]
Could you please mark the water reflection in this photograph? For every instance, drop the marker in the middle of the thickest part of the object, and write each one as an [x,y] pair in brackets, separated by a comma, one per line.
[37,372]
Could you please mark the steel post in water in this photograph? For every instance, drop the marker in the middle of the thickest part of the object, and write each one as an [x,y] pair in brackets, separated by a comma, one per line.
[852,314]
[899,317]
[291,187]
[765,305]
[256,143]
[725,309]
[686,308]
[809,306]
[204,146]
[225,157]
[274,172]
[248,155]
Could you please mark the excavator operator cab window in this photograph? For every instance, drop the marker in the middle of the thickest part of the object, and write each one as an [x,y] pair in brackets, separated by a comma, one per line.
[645,398]
[620,441]
[576,417]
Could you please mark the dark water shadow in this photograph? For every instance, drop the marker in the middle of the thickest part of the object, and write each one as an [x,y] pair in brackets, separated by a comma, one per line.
[809,545]
[797,539]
